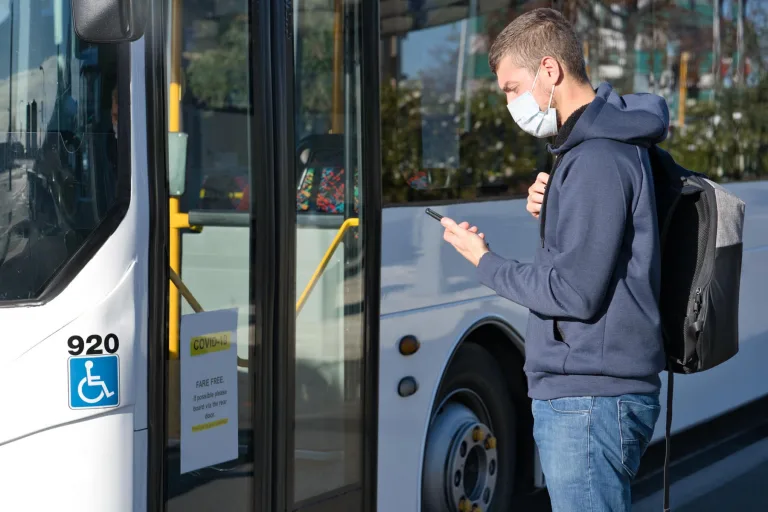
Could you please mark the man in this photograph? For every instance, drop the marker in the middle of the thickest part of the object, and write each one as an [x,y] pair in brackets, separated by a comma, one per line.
[593,347]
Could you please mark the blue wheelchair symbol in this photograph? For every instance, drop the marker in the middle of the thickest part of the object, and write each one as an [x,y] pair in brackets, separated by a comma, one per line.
[94,381]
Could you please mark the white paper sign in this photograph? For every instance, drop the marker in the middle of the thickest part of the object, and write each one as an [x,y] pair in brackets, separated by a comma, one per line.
[208,345]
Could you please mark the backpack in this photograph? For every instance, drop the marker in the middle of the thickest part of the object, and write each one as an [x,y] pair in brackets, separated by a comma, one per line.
[700,231]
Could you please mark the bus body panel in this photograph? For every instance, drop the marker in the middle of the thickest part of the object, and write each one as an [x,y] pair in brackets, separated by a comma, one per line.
[86,457]
[429,291]
[86,466]
[403,422]
[420,270]
[43,370]
[140,479]
[55,457]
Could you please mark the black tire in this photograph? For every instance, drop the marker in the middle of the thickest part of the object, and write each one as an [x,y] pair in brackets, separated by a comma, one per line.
[475,368]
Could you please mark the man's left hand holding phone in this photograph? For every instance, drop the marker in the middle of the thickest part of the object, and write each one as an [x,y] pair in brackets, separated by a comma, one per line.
[464,238]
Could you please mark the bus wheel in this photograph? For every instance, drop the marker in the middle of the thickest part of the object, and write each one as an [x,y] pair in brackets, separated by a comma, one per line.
[469,462]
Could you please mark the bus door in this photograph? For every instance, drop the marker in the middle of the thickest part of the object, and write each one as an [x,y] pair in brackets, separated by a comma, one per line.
[274,247]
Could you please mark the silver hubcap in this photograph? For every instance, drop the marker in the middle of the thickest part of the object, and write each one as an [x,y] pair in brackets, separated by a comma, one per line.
[461,464]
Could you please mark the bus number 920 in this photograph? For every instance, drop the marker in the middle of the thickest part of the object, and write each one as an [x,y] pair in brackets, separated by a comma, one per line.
[94,344]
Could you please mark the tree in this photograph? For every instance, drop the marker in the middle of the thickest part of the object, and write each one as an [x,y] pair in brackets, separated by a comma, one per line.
[218,77]
[726,139]
[493,154]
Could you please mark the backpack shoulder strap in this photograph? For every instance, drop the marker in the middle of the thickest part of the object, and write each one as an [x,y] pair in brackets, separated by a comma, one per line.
[665,173]
[668,435]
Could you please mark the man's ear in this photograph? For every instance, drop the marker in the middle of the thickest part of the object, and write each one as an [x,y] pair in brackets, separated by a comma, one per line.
[551,72]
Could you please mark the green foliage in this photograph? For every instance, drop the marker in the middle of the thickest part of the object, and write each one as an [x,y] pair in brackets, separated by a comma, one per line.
[727,139]
[493,153]
[218,76]
[400,155]
[316,73]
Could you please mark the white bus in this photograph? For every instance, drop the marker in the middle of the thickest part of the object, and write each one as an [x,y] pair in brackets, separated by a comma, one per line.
[218,286]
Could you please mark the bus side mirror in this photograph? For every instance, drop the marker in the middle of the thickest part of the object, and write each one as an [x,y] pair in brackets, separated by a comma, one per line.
[109,21]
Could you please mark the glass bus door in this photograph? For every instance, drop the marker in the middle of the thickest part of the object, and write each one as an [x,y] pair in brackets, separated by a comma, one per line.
[274,214]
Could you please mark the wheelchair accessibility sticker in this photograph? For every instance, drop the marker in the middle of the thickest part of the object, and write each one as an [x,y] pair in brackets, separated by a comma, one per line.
[94,382]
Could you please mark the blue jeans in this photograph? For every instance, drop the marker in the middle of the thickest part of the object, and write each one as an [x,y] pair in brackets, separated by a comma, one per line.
[590,448]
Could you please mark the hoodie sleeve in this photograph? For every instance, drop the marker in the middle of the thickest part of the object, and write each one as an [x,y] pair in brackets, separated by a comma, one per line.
[592,216]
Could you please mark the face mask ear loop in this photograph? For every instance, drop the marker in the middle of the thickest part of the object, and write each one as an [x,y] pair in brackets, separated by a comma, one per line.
[550,97]
[534,80]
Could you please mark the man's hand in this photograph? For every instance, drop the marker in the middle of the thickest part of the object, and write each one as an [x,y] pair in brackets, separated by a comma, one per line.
[536,194]
[465,239]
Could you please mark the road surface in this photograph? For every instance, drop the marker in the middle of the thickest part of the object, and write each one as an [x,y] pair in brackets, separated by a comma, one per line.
[737,482]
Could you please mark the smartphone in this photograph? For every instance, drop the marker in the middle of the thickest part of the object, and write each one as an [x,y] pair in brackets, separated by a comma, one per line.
[432,213]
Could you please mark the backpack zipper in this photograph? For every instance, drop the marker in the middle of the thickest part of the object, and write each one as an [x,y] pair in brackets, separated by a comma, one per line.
[697,301]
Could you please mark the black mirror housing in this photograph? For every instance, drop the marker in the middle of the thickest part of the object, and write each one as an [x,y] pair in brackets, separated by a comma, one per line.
[109,21]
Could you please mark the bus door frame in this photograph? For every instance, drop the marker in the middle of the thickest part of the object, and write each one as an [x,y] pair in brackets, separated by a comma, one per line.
[272,292]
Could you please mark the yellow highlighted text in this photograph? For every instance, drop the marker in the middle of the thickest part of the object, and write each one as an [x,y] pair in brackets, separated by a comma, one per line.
[210,425]
[214,342]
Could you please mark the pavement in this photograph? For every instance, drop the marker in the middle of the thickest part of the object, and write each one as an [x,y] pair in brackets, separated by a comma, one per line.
[738,482]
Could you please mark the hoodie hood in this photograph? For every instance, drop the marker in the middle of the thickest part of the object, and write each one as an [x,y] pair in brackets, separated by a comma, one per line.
[638,119]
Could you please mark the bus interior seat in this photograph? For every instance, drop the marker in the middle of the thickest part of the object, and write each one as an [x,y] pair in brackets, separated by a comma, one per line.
[321,175]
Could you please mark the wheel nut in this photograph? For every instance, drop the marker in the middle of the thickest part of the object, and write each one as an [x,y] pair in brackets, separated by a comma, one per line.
[477,434]
[465,505]
[490,443]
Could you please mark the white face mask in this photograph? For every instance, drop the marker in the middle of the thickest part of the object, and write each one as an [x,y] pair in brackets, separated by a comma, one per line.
[525,111]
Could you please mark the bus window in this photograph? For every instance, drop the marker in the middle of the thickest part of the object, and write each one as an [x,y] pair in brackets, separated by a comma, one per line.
[322,176]
[209,40]
[59,172]
[446,132]
[712,80]
[328,340]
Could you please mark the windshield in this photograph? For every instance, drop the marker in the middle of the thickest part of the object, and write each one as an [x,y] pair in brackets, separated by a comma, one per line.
[59,118]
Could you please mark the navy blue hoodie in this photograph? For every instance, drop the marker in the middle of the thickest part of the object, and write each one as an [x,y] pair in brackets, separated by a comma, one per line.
[593,288]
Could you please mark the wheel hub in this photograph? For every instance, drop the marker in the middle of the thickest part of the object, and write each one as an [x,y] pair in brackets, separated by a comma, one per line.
[461,463]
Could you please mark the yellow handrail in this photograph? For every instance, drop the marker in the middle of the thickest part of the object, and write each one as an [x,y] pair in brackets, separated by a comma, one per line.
[324,262]
[175,279]
[242,363]
[197,308]
[177,219]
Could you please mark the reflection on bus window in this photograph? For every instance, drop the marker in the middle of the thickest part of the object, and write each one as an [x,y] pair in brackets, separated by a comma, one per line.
[322,178]
[214,115]
[707,59]
[328,340]
[446,132]
[58,147]
[215,105]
